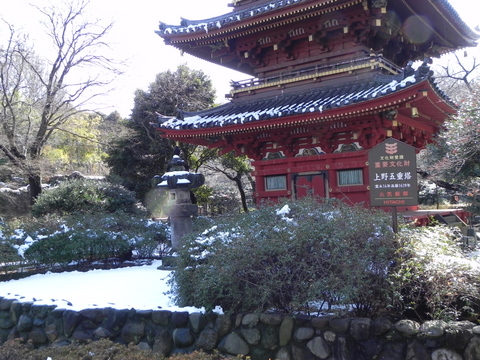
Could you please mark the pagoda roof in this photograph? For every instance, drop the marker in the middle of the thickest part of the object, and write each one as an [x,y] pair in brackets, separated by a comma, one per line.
[450,31]
[317,102]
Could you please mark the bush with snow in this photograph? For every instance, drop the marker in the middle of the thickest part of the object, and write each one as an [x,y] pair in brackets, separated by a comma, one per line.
[434,276]
[84,196]
[55,241]
[299,255]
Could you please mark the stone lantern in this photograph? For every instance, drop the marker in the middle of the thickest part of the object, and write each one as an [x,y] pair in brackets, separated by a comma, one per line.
[178,182]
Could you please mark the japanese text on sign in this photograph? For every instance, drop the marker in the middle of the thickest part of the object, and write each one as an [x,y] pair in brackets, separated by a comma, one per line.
[392,173]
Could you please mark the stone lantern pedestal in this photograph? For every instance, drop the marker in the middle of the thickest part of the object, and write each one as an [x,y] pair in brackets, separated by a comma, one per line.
[179,207]
[180,211]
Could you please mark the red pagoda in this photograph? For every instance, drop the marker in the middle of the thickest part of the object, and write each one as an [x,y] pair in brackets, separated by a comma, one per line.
[331,79]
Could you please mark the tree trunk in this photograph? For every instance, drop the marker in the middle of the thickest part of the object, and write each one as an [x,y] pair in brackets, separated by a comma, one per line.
[243,197]
[35,182]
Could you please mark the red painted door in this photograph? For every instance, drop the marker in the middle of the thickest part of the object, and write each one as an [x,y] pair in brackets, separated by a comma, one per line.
[310,185]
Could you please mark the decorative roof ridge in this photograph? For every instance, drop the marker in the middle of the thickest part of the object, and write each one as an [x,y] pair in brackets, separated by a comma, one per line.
[226,19]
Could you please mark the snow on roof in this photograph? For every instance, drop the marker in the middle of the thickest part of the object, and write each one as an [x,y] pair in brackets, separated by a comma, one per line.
[313,100]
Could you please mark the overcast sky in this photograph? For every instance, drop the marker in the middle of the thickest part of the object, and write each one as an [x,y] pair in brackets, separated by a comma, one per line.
[133,39]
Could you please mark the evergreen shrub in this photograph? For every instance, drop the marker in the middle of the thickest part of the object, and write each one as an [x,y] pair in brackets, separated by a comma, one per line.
[57,241]
[308,254]
[9,257]
[84,196]
[435,276]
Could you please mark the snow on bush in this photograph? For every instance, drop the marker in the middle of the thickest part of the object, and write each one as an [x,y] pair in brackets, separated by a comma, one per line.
[434,276]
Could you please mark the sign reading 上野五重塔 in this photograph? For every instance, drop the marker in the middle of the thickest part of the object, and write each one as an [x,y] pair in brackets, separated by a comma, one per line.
[393,174]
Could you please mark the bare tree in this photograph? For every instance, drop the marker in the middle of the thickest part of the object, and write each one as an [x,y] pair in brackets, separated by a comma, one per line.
[39,94]
[458,73]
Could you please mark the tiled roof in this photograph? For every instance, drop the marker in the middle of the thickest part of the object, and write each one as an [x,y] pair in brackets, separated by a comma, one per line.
[311,101]
[236,17]
[192,26]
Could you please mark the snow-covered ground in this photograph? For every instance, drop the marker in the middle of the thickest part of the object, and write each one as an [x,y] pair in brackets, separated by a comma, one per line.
[139,287]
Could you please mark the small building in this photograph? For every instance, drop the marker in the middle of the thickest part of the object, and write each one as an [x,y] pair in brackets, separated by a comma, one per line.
[330,80]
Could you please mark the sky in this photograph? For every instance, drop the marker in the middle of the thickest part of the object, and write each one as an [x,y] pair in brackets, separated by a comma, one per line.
[137,287]
[134,41]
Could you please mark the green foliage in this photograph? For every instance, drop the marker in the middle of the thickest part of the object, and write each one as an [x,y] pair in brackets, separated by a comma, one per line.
[203,194]
[84,196]
[433,278]
[235,168]
[78,148]
[98,350]
[80,238]
[9,257]
[455,158]
[143,153]
[296,255]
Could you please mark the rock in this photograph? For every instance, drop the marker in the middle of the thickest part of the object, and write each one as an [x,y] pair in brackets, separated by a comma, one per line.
[252,336]
[407,327]
[341,349]
[223,324]
[271,319]
[302,319]
[144,346]
[394,351]
[319,347]
[445,354]
[360,329]
[162,343]
[25,323]
[285,332]
[269,339]
[132,332]
[283,354]
[71,319]
[161,317]
[329,336]
[432,329]
[233,344]
[299,353]
[322,321]
[340,325]
[472,351]
[207,339]
[260,353]
[38,337]
[144,314]
[458,334]
[6,320]
[41,311]
[304,333]
[180,319]
[381,326]
[250,320]
[416,351]
[5,304]
[38,322]
[198,322]
[58,313]
[51,332]
[114,319]
[102,333]
[16,309]
[93,315]
[183,338]
[81,336]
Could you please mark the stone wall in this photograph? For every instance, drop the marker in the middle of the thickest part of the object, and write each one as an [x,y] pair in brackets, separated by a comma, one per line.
[261,336]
